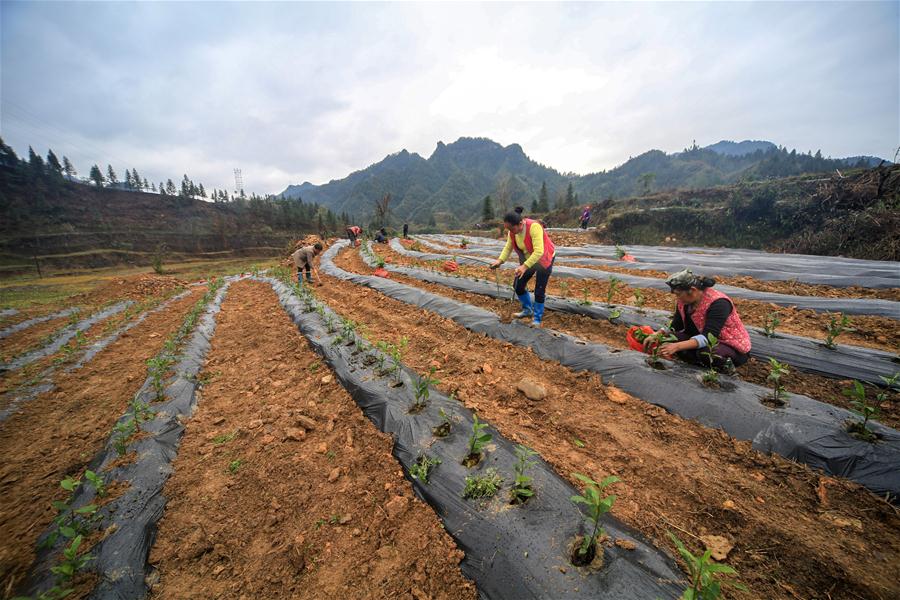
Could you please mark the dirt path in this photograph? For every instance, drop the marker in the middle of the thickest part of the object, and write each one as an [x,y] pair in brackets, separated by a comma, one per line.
[282,488]
[882,333]
[790,540]
[815,386]
[57,433]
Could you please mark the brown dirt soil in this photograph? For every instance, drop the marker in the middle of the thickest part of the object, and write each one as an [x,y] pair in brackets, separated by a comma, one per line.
[790,540]
[30,338]
[815,386]
[743,281]
[318,507]
[882,333]
[57,433]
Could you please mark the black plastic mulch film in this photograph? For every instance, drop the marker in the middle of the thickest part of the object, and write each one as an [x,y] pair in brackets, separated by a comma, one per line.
[120,558]
[806,430]
[511,552]
[850,306]
[806,354]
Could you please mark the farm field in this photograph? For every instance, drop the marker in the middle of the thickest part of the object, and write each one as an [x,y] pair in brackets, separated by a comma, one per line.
[219,431]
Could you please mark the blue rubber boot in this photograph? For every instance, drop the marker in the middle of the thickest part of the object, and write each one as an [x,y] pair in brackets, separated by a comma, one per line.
[538,314]
[527,309]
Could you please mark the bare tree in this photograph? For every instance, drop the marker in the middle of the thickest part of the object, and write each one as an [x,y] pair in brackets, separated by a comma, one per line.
[382,209]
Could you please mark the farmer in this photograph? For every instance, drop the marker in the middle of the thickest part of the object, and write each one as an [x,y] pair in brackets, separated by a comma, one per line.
[586,217]
[303,260]
[406,231]
[381,236]
[353,232]
[536,255]
[700,311]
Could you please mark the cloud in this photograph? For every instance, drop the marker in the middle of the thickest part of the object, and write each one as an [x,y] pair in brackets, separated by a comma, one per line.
[294,92]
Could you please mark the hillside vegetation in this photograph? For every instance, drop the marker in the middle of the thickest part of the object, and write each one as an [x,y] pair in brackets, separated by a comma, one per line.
[857,216]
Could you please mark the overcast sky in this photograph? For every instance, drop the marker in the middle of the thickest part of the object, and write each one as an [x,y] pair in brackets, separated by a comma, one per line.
[295,92]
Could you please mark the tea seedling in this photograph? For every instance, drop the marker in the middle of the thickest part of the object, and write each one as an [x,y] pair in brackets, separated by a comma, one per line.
[224,438]
[711,376]
[864,409]
[639,300]
[482,486]
[614,314]
[620,252]
[443,430]
[423,467]
[477,442]
[422,391]
[564,289]
[614,283]
[521,490]
[776,371]
[772,322]
[141,411]
[234,466]
[71,563]
[122,432]
[584,301]
[704,574]
[329,323]
[835,328]
[597,507]
[96,482]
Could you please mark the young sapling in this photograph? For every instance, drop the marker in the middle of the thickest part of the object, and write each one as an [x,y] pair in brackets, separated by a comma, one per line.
[72,562]
[620,252]
[422,391]
[423,467]
[477,442]
[482,486]
[639,300]
[773,320]
[835,328]
[704,573]
[777,370]
[611,289]
[584,301]
[864,409]
[564,289]
[522,490]
[711,376]
[586,551]
[96,482]
[443,429]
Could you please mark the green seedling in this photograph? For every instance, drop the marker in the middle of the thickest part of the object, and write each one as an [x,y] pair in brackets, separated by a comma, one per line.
[72,562]
[704,574]
[656,340]
[862,408]
[777,370]
[381,355]
[158,366]
[773,320]
[639,300]
[423,466]
[224,438]
[584,301]
[614,283]
[234,466]
[564,289]
[329,323]
[620,252]
[443,430]
[96,482]
[711,376]
[477,442]
[141,411]
[422,391]
[482,486]
[597,507]
[522,490]
[835,328]
[614,314]
[122,432]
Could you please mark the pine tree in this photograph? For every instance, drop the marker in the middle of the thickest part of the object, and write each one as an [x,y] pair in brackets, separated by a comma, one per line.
[543,199]
[152,186]
[146,185]
[534,205]
[35,163]
[68,168]
[186,186]
[136,178]
[111,175]
[97,176]
[570,196]
[129,180]
[487,211]
[170,188]
[53,163]
[202,191]
[162,188]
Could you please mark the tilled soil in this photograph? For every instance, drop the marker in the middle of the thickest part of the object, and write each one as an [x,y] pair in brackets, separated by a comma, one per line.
[57,434]
[30,338]
[796,533]
[743,281]
[815,386]
[882,333]
[282,488]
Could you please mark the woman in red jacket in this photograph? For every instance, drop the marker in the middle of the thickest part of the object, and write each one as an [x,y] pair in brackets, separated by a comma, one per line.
[701,311]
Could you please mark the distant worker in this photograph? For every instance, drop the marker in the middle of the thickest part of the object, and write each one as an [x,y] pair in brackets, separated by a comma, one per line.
[536,255]
[381,236]
[353,233]
[586,217]
[700,311]
[406,231]
[303,260]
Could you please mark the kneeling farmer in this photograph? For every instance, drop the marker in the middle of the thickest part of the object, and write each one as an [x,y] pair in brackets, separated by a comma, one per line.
[701,310]
[536,255]
[303,260]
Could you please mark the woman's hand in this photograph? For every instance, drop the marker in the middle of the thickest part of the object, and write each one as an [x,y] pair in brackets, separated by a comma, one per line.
[520,270]
[668,350]
[495,265]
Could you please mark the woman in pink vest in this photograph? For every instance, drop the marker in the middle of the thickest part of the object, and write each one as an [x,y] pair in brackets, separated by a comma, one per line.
[536,254]
[700,311]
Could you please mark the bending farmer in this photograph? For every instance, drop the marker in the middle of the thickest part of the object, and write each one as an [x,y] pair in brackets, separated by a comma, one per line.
[303,260]
[536,255]
[700,311]
[353,232]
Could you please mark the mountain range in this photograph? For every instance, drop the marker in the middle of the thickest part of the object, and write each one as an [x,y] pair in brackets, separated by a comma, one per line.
[449,186]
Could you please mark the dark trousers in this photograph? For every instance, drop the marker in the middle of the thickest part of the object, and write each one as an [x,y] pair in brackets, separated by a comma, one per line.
[720,354]
[584,223]
[540,282]
[308,274]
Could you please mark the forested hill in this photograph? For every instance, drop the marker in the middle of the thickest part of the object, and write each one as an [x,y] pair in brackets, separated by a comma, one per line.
[452,183]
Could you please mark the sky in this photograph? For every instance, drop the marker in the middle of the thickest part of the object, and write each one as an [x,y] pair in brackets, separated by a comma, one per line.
[293,92]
